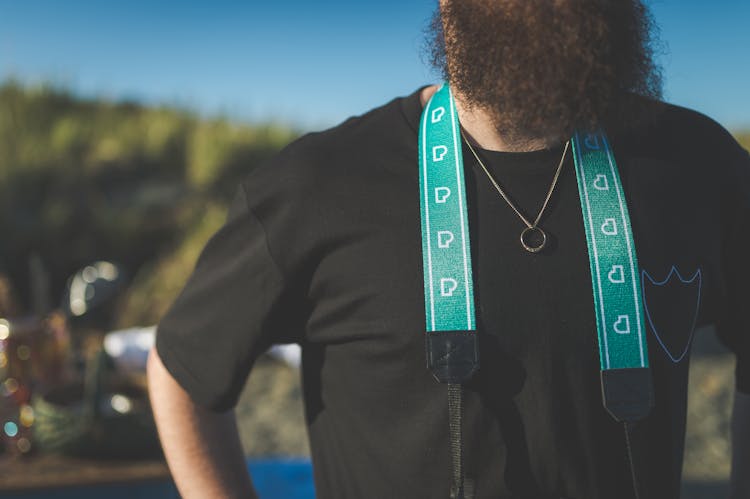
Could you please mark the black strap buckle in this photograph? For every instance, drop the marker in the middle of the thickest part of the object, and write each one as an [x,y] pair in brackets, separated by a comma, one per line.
[452,356]
[628,394]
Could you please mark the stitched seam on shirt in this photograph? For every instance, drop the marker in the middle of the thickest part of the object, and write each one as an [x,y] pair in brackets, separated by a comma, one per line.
[276,265]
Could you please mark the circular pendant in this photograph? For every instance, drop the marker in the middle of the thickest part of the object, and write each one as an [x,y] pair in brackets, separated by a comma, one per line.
[533,239]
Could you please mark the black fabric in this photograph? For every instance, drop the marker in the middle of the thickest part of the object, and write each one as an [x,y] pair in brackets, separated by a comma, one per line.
[323,247]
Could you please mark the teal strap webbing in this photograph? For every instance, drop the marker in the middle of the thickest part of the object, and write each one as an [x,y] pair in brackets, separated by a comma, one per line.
[614,267]
[449,289]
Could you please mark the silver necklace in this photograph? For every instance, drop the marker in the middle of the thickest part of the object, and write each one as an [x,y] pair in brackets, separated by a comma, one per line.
[533,238]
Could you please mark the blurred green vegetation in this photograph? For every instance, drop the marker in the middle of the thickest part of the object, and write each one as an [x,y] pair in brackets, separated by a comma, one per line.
[83,180]
[744,139]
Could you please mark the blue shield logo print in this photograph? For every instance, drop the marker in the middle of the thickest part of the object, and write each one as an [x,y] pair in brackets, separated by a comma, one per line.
[671,307]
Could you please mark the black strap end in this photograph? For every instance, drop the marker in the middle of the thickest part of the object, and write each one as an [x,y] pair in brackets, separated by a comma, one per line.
[628,394]
[452,356]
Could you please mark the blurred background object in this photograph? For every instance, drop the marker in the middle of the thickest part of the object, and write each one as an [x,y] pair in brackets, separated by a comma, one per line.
[34,356]
[91,294]
[85,180]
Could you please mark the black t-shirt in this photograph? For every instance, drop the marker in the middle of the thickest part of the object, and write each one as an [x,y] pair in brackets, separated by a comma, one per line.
[323,247]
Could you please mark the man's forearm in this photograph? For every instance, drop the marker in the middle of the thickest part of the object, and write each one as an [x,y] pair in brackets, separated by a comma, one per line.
[740,480]
[202,448]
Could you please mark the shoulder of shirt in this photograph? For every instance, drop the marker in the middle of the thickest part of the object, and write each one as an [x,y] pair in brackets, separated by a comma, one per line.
[692,129]
[695,142]
[385,129]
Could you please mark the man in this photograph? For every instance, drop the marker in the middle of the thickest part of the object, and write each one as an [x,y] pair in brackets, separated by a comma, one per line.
[322,247]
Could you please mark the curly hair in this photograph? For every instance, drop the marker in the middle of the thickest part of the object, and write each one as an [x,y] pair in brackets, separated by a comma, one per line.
[544,67]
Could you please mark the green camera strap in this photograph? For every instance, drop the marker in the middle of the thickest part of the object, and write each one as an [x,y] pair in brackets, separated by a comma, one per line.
[451,339]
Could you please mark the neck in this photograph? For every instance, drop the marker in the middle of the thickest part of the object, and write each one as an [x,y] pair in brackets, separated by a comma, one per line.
[479,129]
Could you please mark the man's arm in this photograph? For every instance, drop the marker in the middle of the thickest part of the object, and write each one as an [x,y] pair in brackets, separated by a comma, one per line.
[202,448]
[740,479]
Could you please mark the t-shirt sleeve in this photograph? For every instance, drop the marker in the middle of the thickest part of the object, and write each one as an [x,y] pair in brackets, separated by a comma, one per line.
[733,325]
[229,312]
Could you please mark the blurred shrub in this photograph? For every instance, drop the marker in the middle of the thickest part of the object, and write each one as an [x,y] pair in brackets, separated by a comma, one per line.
[218,149]
[84,180]
[159,281]
[744,139]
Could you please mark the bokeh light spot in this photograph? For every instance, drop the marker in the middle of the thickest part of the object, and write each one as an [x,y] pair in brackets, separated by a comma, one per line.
[4,329]
[11,386]
[23,352]
[11,429]
[77,306]
[90,274]
[26,415]
[107,271]
[24,445]
[121,403]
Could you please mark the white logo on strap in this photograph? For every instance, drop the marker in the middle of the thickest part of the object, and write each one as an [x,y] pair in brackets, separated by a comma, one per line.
[609,227]
[601,183]
[437,114]
[592,142]
[448,286]
[442,194]
[438,153]
[622,325]
[445,238]
[617,274]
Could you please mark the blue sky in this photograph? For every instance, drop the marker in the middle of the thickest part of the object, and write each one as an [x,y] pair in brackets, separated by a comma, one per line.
[313,63]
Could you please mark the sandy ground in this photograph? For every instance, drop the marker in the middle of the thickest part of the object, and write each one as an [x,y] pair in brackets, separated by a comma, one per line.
[707,449]
[272,421]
